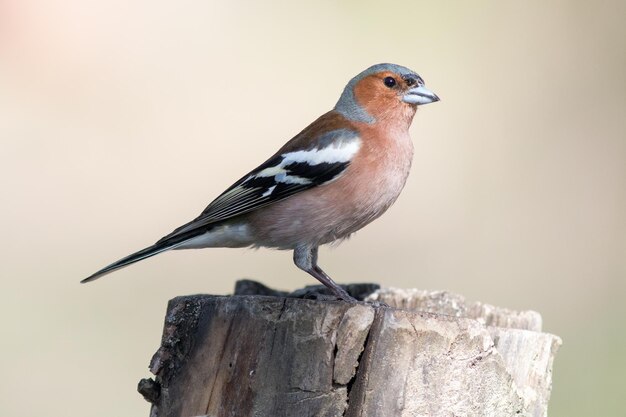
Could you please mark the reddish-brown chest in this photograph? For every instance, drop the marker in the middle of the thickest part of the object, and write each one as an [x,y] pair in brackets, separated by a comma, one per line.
[370,184]
[379,171]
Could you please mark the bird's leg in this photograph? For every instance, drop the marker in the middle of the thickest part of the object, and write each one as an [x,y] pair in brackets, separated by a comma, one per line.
[305,258]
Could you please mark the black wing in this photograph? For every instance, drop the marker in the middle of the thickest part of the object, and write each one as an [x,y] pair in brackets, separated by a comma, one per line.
[282,176]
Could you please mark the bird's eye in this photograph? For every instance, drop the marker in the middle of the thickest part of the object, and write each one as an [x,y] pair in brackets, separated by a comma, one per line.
[390,82]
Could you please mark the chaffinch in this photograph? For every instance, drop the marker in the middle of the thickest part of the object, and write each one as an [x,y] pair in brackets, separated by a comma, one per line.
[341,172]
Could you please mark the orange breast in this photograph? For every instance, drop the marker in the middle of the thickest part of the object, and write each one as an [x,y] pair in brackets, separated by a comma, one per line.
[335,210]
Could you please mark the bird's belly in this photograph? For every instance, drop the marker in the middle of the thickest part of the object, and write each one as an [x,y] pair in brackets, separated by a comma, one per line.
[323,215]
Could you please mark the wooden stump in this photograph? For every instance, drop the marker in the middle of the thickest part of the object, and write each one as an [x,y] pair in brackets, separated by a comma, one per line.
[421,354]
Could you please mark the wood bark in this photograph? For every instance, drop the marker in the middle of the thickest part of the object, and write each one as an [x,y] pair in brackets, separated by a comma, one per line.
[402,353]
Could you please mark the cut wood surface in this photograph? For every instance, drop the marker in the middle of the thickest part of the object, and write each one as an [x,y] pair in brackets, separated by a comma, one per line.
[401,353]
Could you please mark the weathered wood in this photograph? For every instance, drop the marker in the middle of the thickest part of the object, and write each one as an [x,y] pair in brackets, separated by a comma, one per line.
[418,354]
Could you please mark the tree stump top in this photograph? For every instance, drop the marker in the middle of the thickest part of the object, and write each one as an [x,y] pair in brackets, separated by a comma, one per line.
[405,353]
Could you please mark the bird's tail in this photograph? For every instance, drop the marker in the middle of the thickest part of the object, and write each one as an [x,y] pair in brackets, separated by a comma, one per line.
[135,257]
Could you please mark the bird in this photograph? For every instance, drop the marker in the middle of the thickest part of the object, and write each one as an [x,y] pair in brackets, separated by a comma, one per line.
[333,178]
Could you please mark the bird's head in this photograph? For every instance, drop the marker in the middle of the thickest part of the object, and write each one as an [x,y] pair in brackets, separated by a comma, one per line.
[384,93]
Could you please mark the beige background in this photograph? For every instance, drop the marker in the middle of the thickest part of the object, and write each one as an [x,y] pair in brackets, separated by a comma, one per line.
[121,120]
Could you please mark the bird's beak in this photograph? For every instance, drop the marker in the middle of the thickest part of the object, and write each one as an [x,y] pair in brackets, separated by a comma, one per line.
[420,95]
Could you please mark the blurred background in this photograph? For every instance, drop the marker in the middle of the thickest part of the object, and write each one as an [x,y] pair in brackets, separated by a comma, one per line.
[120,120]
